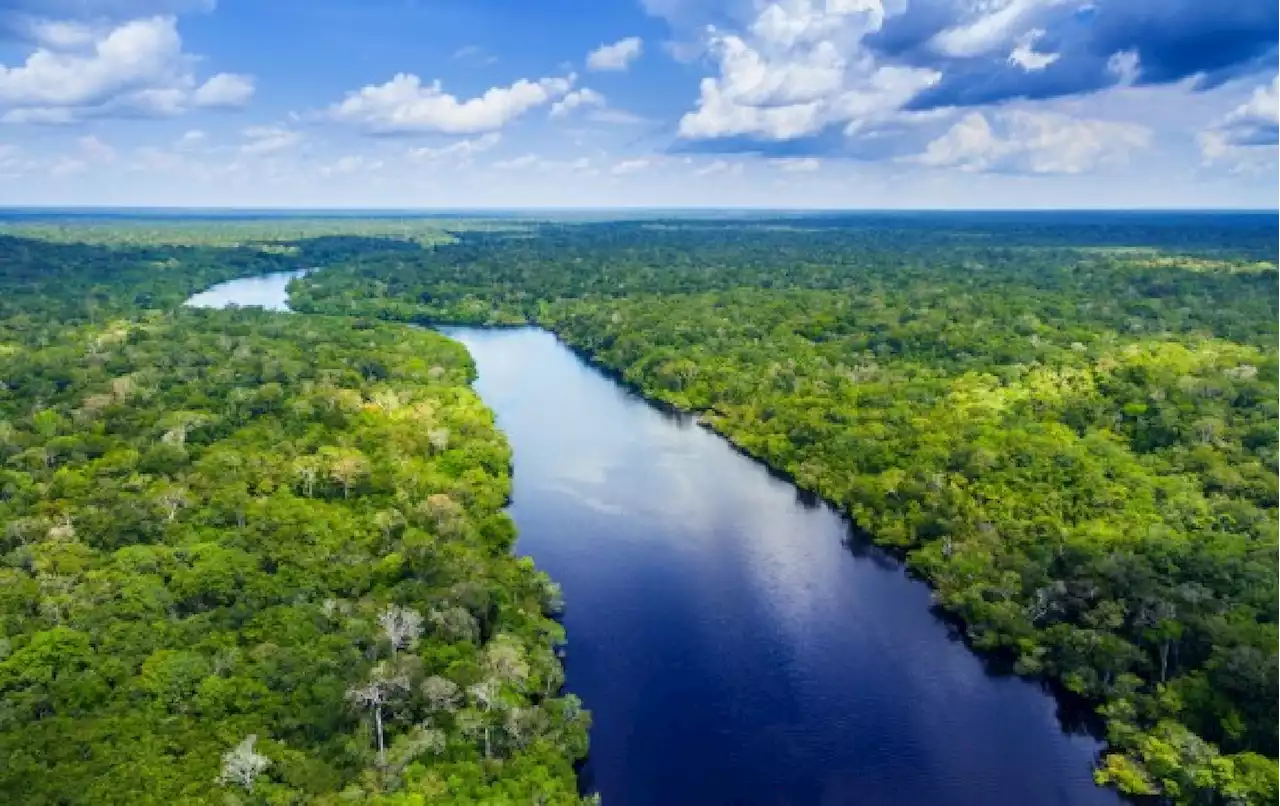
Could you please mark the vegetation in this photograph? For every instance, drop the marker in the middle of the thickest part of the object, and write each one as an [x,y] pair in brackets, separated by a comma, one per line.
[256,558]
[1067,424]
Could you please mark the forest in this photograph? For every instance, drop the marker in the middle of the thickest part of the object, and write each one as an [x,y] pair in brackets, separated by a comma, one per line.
[1066,424]
[255,558]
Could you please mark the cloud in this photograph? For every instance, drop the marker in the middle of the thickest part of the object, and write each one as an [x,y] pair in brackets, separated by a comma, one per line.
[351,164]
[577,98]
[984,49]
[474,53]
[1033,142]
[798,69]
[617,56]
[524,161]
[68,166]
[1025,55]
[190,139]
[720,167]
[462,150]
[625,167]
[142,52]
[269,139]
[224,90]
[1248,135]
[137,68]
[1257,121]
[797,164]
[95,149]
[404,105]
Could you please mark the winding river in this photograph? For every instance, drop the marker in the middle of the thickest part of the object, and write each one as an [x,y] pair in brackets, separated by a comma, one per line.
[734,645]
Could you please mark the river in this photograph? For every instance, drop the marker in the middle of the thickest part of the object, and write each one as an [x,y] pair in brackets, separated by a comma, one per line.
[732,642]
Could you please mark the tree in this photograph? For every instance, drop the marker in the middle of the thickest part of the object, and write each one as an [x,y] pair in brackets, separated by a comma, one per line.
[401,626]
[241,765]
[383,687]
[346,466]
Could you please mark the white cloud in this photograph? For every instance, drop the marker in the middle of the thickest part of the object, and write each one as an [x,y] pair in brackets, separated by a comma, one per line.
[1255,121]
[224,90]
[60,34]
[13,163]
[1246,138]
[75,72]
[617,116]
[1034,142]
[68,166]
[351,164]
[142,52]
[95,149]
[797,164]
[403,105]
[462,150]
[475,53]
[1125,66]
[524,161]
[192,138]
[1027,57]
[994,26]
[625,167]
[577,98]
[269,139]
[617,56]
[798,69]
[720,167]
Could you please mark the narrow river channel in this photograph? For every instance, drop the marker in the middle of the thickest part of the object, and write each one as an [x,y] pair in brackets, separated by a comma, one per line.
[731,645]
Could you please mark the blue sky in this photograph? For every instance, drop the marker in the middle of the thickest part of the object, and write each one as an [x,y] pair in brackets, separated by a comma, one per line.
[581,103]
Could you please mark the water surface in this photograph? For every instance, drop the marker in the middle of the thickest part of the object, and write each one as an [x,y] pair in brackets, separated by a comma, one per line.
[266,291]
[731,646]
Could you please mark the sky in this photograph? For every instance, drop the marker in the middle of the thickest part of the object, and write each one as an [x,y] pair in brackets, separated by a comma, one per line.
[448,104]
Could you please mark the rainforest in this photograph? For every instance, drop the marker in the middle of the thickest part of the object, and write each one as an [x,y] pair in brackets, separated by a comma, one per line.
[253,556]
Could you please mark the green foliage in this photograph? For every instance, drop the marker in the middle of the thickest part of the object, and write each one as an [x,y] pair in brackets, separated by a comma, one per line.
[205,518]
[1075,446]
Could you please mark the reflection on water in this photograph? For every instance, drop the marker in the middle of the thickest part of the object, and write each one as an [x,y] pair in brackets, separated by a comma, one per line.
[268,291]
[732,648]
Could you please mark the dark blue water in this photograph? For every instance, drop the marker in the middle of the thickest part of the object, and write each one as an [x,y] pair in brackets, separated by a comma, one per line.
[730,645]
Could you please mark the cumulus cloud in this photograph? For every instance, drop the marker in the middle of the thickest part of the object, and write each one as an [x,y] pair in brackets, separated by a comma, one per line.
[617,56]
[1033,142]
[1027,57]
[797,69]
[1248,135]
[405,105]
[135,68]
[225,90]
[1257,121]
[791,76]
[580,98]
[984,49]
